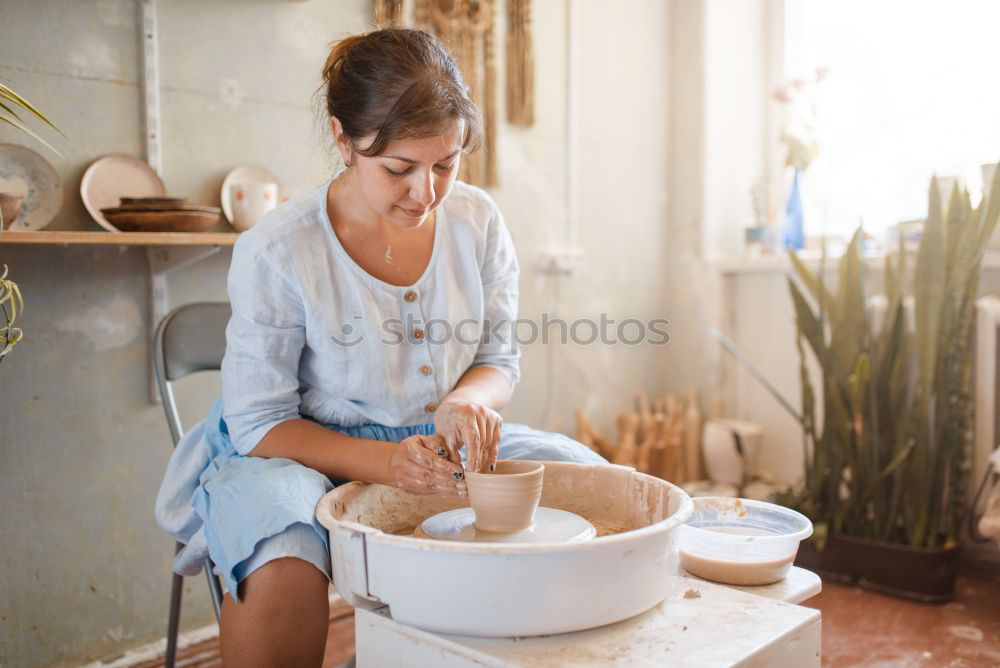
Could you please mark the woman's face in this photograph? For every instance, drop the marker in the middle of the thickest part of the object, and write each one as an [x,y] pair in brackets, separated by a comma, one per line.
[411,177]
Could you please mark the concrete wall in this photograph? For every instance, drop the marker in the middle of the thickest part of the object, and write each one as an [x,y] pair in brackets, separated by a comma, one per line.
[86,573]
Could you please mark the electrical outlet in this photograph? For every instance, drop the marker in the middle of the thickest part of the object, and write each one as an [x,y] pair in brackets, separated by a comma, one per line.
[559,260]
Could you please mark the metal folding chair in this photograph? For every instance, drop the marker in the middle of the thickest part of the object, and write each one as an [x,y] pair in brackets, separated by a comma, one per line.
[190,338]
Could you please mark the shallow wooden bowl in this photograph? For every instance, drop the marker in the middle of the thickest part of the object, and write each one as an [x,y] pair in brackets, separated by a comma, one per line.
[201,219]
[153,203]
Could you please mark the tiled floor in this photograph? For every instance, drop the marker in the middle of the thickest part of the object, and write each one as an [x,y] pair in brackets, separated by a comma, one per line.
[860,628]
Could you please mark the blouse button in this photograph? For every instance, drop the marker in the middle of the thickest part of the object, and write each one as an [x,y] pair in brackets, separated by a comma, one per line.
[410,296]
[418,334]
[426,370]
[431,408]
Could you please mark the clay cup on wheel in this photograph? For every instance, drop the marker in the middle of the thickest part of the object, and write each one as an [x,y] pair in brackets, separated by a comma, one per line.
[505,500]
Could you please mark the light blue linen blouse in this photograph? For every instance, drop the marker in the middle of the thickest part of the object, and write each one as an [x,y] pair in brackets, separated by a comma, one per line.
[314,335]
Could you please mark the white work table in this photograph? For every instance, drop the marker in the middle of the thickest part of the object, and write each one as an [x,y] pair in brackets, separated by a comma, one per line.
[700,623]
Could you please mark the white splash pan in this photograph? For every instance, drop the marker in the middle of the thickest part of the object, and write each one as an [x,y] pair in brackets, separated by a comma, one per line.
[510,589]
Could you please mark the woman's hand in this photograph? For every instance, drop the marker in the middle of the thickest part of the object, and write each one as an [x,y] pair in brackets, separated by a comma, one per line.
[475,425]
[420,465]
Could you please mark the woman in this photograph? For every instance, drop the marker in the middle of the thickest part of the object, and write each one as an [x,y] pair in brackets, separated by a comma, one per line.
[366,343]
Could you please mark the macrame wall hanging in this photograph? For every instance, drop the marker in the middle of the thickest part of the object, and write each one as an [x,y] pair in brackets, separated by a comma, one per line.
[467,28]
[388,12]
[520,64]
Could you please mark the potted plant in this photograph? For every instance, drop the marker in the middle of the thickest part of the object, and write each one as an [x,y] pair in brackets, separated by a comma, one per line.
[886,471]
[11,302]
[10,100]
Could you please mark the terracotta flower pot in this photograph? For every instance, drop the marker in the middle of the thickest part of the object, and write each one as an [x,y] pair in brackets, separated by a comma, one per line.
[925,574]
[505,500]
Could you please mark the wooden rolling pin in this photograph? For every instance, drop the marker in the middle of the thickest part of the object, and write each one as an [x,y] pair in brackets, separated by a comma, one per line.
[653,437]
[589,435]
[584,430]
[645,414]
[670,464]
[626,451]
[695,470]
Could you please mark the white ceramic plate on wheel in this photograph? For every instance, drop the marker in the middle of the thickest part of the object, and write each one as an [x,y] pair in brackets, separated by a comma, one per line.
[240,176]
[112,177]
[551,526]
[24,172]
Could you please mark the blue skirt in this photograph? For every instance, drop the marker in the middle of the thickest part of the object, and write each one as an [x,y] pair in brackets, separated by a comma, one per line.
[244,511]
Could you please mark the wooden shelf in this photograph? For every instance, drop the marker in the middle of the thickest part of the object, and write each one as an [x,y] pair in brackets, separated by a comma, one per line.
[121,238]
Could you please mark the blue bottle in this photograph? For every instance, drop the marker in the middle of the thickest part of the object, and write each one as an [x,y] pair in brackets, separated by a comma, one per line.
[793,232]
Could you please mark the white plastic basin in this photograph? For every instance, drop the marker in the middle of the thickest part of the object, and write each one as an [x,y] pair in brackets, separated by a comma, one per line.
[741,541]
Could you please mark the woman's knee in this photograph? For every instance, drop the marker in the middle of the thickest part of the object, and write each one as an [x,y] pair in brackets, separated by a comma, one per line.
[520,442]
[281,619]
[288,577]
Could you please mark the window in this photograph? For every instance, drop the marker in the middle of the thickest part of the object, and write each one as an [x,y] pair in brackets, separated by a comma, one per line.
[912,91]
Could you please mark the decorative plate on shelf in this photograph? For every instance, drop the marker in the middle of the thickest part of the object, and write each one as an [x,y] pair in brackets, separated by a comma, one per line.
[24,172]
[240,176]
[113,177]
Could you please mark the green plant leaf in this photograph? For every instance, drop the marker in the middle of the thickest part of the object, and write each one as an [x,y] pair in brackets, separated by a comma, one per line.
[929,285]
[809,326]
[10,111]
[956,219]
[13,96]
[849,321]
[821,533]
[731,348]
[24,128]
[813,282]
[897,461]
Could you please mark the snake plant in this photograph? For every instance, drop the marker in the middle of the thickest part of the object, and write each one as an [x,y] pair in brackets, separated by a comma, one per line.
[890,458]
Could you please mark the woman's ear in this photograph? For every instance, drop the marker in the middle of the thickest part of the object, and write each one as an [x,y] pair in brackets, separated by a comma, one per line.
[343,143]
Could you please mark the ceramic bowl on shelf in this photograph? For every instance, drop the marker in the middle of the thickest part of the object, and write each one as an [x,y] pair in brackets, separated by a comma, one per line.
[244,175]
[10,205]
[24,172]
[113,177]
[188,219]
[154,203]
[250,202]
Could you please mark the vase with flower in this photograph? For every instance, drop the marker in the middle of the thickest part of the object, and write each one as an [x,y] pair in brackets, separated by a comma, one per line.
[801,137]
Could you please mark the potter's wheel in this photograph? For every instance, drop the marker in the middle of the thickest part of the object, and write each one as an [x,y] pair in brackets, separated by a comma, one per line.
[551,526]
[510,588]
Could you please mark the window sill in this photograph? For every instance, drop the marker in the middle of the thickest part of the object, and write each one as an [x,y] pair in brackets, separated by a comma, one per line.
[780,264]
